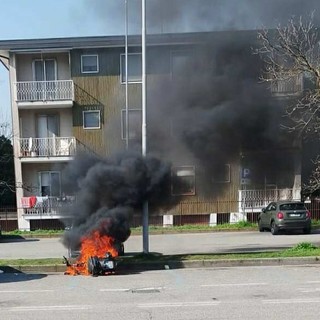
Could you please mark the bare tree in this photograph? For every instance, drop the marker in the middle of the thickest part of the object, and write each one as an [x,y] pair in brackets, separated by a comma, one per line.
[292,53]
[7,180]
[292,56]
[8,185]
[313,185]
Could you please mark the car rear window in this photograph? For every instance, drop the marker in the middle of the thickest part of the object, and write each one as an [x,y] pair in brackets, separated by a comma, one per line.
[292,206]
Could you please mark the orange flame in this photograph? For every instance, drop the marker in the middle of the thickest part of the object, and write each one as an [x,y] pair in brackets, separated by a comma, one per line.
[93,245]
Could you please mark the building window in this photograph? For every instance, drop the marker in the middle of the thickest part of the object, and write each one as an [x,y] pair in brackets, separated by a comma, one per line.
[89,63]
[134,68]
[180,63]
[222,173]
[45,76]
[134,124]
[47,126]
[183,180]
[50,183]
[44,70]
[91,119]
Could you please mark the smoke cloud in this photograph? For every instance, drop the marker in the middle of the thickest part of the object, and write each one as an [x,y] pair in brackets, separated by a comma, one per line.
[218,110]
[169,16]
[109,191]
[218,15]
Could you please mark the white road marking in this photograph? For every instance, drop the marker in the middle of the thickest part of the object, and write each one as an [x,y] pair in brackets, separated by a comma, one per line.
[313,281]
[115,290]
[179,304]
[24,291]
[49,308]
[290,301]
[132,289]
[147,289]
[234,284]
[304,290]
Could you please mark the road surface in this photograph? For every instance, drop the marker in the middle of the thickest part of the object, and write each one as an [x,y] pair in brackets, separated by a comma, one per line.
[216,242]
[250,293]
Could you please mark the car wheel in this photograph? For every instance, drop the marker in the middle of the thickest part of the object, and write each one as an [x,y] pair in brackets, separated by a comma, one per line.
[307,230]
[261,229]
[274,229]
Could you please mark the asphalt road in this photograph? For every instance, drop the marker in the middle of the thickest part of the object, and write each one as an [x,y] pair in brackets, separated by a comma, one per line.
[166,244]
[257,293]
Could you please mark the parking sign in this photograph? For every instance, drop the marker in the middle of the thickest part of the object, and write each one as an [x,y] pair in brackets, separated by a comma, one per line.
[245,176]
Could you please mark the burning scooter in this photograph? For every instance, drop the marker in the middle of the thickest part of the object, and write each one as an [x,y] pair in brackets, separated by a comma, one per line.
[95,266]
[97,256]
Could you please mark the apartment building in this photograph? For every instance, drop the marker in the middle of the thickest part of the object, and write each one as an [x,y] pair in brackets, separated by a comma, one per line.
[68,95]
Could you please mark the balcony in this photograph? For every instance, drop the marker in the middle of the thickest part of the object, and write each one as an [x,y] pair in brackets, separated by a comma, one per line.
[287,87]
[48,207]
[255,200]
[59,93]
[31,149]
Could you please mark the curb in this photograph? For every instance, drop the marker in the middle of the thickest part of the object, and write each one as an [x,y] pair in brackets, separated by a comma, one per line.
[158,265]
[218,263]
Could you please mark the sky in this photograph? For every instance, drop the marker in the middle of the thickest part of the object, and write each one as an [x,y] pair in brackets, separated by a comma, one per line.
[29,19]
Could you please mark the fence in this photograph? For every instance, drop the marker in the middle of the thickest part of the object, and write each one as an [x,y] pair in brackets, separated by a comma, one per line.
[8,216]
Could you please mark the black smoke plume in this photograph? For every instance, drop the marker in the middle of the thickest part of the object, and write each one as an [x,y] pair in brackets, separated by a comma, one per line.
[171,16]
[219,110]
[110,191]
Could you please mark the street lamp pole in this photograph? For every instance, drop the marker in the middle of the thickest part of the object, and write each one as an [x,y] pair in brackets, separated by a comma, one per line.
[145,213]
[126,73]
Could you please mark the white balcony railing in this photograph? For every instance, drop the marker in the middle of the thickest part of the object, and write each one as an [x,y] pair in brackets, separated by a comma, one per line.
[293,85]
[47,147]
[49,206]
[58,90]
[257,199]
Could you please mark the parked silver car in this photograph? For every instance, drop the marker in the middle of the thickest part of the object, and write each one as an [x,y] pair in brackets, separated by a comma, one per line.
[285,215]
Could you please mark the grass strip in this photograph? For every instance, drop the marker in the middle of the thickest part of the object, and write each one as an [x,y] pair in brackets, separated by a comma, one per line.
[242,225]
[300,250]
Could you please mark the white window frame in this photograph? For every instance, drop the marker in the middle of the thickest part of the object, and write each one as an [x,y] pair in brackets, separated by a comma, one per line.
[83,119]
[123,113]
[184,171]
[49,172]
[90,55]
[122,78]
[228,180]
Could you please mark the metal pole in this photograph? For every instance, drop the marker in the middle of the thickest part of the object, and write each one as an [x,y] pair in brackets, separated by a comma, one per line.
[126,73]
[145,218]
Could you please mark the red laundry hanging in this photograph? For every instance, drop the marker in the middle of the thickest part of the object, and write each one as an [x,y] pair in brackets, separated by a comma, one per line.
[33,201]
[28,202]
